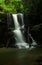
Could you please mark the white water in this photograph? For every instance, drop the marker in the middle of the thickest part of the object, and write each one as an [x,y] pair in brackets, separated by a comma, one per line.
[33,44]
[20,42]
[18,34]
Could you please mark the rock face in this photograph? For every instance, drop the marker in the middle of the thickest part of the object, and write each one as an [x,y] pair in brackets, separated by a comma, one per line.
[37,34]
[36,28]
[26,23]
[6,27]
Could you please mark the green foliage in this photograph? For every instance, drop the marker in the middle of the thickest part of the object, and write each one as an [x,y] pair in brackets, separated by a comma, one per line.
[7,1]
[13,6]
[23,6]
[30,6]
[2,17]
[1,8]
[18,6]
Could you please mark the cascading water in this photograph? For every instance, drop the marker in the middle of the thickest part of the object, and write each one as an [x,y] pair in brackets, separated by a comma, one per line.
[33,44]
[18,34]
[20,41]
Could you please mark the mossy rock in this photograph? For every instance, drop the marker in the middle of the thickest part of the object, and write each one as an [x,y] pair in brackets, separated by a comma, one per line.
[37,27]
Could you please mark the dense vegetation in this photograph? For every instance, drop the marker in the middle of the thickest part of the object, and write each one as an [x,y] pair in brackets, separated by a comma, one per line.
[16,6]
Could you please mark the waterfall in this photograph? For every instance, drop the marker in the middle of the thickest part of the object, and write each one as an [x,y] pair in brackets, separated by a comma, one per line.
[18,33]
[20,42]
[33,44]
